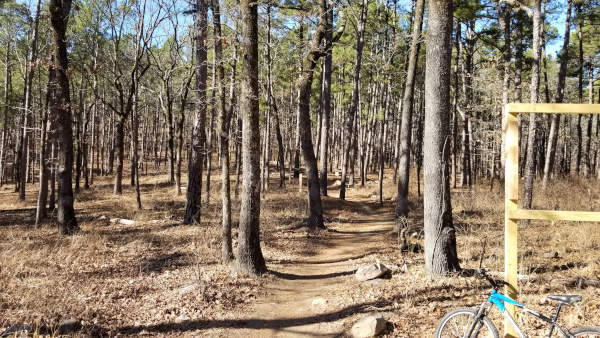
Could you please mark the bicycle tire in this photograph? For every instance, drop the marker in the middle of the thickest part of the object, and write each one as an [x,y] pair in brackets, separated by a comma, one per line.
[586,331]
[470,314]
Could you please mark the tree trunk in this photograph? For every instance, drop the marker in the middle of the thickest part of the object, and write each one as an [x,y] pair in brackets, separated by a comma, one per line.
[224,122]
[587,169]
[534,93]
[211,124]
[407,112]
[250,259]
[24,133]
[504,18]
[3,140]
[315,206]
[560,92]
[198,142]
[326,101]
[41,210]
[355,96]
[119,140]
[440,238]
[59,13]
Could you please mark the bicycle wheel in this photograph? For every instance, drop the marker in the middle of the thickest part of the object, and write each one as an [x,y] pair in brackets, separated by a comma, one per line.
[457,323]
[586,331]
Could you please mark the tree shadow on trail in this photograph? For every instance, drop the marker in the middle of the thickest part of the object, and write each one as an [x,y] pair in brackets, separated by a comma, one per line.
[255,323]
[291,276]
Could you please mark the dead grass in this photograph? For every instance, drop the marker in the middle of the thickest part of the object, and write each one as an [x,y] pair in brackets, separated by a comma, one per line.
[116,277]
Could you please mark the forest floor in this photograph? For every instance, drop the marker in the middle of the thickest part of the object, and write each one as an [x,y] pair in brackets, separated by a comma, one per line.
[158,277]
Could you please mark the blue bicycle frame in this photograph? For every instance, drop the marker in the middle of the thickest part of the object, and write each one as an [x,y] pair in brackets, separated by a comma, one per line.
[498,300]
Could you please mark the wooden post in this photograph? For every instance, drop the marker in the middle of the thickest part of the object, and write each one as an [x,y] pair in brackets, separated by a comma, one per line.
[512,213]
[510,204]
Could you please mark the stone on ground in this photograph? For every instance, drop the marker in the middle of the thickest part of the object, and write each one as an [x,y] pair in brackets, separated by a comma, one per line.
[369,326]
[371,271]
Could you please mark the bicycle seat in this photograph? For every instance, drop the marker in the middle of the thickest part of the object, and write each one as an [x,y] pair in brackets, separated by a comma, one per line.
[566,299]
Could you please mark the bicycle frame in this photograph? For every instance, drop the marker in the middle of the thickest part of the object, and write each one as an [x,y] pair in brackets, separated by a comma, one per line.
[497,299]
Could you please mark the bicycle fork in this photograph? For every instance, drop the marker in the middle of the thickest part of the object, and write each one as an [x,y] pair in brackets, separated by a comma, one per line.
[478,320]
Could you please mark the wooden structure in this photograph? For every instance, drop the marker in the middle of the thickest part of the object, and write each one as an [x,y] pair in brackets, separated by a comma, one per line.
[512,212]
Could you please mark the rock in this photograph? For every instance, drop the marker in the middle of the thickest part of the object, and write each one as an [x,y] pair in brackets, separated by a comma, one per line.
[319,302]
[404,267]
[126,221]
[369,326]
[372,271]
[16,330]
[69,326]
[551,255]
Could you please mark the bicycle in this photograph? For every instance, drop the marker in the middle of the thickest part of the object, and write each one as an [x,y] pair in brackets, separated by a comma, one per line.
[469,322]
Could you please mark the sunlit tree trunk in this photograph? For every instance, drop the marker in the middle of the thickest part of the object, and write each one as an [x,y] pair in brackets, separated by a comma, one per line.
[440,237]
[250,259]
[534,93]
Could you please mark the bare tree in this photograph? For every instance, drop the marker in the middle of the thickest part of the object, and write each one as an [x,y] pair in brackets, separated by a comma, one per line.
[250,259]
[198,142]
[355,95]
[326,100]
[24,141]
[61,108]
[440,237]
[560,93]
[534,96]
[224,122]
[407,112]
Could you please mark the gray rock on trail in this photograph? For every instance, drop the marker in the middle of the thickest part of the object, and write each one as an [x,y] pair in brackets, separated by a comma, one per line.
[369,326]
[372,271]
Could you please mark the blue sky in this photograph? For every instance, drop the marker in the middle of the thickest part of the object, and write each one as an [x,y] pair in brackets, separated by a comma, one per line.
[556,17]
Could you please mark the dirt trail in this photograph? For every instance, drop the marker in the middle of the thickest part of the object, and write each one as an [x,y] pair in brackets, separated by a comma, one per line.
[303,301]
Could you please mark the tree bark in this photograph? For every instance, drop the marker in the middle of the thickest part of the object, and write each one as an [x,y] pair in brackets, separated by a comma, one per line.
[250,259]
[224,122]
[440,238]
[59,14]
[41,210]
[24,142]
[504,18]
[3,140]
[198,142]
[315,206]
[560,93]
[355,96]
[534,95]
[326,100]
[407,112]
